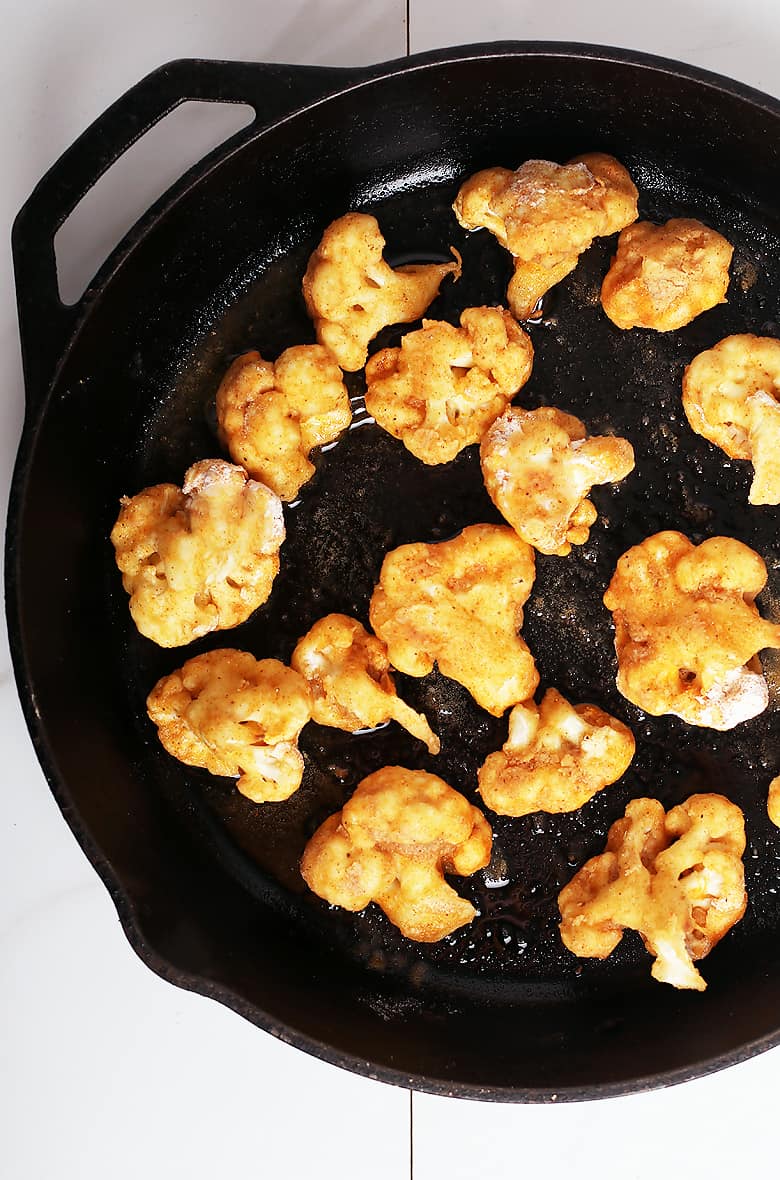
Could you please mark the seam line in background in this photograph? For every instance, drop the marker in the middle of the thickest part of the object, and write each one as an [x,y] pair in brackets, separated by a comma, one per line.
[408,30]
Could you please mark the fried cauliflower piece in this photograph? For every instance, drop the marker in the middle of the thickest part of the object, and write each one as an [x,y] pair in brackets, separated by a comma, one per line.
[687,630]
[539,466]
[459,604]
[348,674]
[351,293]
[546,215]
[392,843]
[676,877]
[444,386]
[271,416]
[198,558]
[731,396]
[663,276]
[555,758]
[773,801]
[234,715]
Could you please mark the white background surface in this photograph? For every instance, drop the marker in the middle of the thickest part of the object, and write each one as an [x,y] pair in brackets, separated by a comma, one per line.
[106,1071]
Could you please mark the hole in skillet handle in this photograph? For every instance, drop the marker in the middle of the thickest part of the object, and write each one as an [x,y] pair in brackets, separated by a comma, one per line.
[131,185]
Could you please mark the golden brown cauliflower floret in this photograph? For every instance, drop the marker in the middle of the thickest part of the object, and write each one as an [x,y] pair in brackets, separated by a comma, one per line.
[663,276]
[773,801]
[351,293]
[348,673]
[271,416]
[731,396]
[444,386]
[539,466]
[235,715]
[546,215]
[555,758]
[198,558]
[687,630]
[392,843]
[677,878]
[459,604]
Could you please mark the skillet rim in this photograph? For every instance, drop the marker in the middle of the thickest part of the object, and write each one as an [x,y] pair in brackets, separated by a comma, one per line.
[345,80]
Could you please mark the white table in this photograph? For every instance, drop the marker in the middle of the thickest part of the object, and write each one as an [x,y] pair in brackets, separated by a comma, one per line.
[105,1070]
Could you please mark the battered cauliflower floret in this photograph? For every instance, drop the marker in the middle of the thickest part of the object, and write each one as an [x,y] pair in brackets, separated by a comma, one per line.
[676,877]
[351,293]
[663,276]
[555,758]
[444,386]
[198,558]
[348,674]
[459,604]
[234,715]
[731,396]
[392,843]
[773,801]
[539,466]
[546,215]
[271,416]
[687,630]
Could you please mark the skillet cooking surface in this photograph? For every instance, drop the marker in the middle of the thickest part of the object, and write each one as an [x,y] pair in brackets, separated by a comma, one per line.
[135,407]
[370,495]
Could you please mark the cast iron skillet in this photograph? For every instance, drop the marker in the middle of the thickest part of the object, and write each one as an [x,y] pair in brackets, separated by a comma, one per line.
[119,394]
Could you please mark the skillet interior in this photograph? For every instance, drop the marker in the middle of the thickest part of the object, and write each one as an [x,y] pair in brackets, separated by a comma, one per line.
[208,886]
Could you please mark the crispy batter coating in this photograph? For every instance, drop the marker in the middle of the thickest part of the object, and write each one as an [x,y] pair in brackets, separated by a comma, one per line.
[201,557]
[271,416]
[731,396]
[392,843]
[539,467]
[459,604]
[235,715]
[546,215]
[773,801]
[348,673]
[663,276]
[555,758]
[676,877]
[351,293]
[687,630]
[444,386]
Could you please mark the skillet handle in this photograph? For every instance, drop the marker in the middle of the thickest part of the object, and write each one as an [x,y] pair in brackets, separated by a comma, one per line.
[45,322]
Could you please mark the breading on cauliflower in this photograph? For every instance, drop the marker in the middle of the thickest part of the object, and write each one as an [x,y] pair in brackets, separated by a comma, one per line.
[773,801]
[271,416]
[556,757]
[663,276]
[731,396]
[198,558]
[539,467]
[459,604]
[546,215]
[687,630]
[348,674]
[392,843]
[234,715]
[676,877]
[444,386]
[351,293]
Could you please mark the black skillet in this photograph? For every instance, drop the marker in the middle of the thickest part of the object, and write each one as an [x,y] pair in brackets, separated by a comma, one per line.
[119,394]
